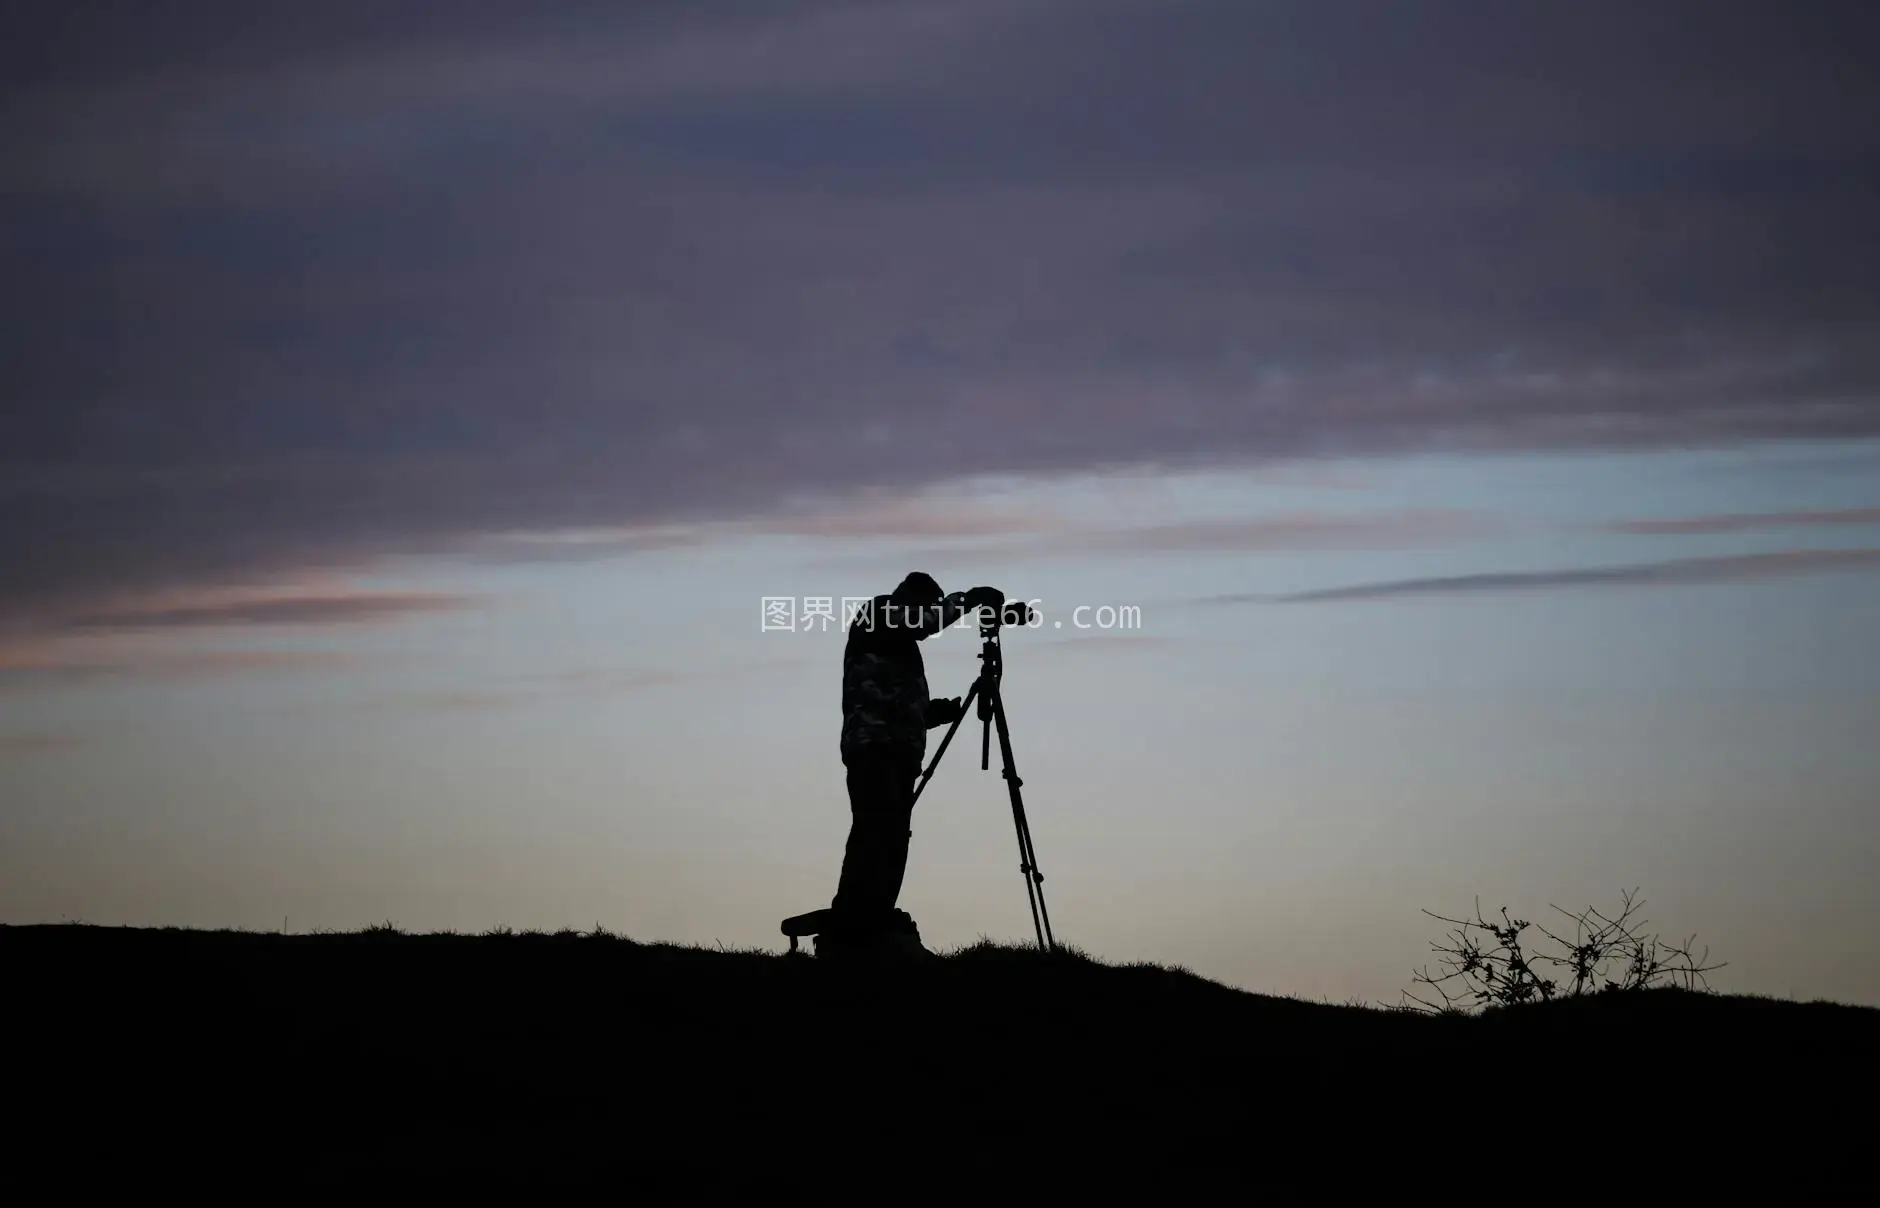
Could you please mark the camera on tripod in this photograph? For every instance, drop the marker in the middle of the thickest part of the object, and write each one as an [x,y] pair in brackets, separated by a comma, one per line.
[996,611]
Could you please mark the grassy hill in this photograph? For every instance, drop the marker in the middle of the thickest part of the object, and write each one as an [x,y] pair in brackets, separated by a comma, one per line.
[551,1058]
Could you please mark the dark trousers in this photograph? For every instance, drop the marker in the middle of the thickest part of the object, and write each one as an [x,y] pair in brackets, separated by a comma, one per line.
[881,808]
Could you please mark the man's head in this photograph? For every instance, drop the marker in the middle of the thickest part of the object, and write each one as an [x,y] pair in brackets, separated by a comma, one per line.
[918,590]
[909,602]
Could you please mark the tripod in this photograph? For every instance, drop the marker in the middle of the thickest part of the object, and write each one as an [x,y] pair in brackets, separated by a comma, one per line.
[985,690]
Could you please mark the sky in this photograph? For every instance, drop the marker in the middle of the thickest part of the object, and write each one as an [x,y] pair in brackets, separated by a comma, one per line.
[1442,442]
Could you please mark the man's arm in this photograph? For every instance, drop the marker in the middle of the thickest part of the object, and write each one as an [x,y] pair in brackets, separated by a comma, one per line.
[885,619]
[884,614]
[932,619]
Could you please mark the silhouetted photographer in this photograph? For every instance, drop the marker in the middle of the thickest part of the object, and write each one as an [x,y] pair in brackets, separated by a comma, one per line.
[886,713]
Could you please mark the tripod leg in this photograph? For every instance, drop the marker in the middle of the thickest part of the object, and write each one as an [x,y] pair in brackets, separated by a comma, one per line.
[965,705]
[1028,857]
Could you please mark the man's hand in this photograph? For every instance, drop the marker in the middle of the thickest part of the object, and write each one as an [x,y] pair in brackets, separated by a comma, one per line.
[944,711]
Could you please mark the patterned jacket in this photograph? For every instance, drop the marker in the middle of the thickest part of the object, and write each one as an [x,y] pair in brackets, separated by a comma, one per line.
[885,705]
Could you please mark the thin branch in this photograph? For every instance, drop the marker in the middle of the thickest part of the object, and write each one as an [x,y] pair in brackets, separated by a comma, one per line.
[1492,966]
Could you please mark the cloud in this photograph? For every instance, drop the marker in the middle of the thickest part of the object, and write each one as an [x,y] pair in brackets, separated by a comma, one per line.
[1320,476]
[153,636]
[1292,531]
[352,608]
[1735,568]
[1746,521]
[1016,533]
[864,515]
[1407,528]
[380,280]
[510,694]
[603,681]
[586,682]
[1094,642]
[199,662]
[470,700]
[29,744]
[879,515]
[581,544]
[56,665]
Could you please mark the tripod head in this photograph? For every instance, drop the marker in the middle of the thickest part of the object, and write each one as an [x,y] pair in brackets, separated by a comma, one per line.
[992,667]
[995,612]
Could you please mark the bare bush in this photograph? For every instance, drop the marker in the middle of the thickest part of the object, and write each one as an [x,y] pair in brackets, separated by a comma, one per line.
[1484,963]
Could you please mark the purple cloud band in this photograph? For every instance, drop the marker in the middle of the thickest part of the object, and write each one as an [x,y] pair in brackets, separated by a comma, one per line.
[29,744]
[1736,568]
[388,278]
[37,671]
[1746,522]
[348,609]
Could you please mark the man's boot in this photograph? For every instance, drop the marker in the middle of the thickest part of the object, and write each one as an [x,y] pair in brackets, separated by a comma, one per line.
[895,940]
[903,939]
